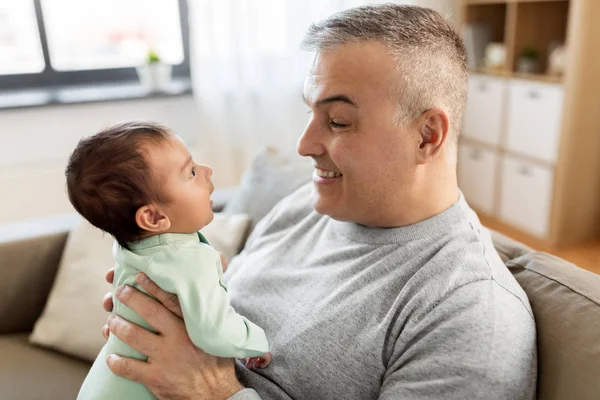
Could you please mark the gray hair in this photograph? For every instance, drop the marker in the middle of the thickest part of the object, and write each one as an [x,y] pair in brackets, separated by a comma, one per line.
[431,57]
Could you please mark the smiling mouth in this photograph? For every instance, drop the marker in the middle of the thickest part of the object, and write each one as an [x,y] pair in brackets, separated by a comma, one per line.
[327,174]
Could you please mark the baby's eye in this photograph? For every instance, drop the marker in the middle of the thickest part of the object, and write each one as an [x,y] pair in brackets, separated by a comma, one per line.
[193,171]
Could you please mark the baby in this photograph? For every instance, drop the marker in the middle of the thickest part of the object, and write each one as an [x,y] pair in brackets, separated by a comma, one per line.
[138,182]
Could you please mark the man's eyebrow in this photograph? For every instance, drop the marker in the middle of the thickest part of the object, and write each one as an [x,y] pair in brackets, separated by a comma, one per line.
[332,99]
[189,160]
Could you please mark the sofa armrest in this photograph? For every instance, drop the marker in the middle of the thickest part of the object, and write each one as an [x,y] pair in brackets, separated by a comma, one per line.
[30,253]
[221,196]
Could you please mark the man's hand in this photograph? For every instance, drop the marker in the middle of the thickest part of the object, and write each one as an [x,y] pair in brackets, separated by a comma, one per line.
[107,303]
[176,369]
[259,362]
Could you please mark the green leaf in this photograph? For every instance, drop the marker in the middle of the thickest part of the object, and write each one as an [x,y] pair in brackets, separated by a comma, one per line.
[530,53]
[152,57]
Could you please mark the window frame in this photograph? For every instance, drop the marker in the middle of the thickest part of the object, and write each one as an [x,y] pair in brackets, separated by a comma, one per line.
[51,78]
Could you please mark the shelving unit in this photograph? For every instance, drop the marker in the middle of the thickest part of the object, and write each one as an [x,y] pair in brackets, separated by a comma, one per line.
[529,152]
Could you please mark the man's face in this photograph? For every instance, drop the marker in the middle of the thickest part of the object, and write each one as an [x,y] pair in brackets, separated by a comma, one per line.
[364,160]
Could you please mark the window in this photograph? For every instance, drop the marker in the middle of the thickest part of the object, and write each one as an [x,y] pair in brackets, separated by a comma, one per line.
[71,42]
[20,47]
[111,33]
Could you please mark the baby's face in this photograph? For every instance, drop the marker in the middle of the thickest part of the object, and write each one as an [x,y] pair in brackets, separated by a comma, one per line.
[185,185]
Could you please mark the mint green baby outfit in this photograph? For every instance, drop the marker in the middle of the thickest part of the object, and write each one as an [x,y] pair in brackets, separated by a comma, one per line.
[184,264]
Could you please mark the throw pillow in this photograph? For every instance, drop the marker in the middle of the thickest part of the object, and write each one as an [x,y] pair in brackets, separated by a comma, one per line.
[73,314]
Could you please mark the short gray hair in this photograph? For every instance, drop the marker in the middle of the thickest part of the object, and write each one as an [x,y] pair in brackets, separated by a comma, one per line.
[432,60]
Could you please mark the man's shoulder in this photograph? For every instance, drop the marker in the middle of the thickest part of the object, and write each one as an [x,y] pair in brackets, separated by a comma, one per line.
[468,261]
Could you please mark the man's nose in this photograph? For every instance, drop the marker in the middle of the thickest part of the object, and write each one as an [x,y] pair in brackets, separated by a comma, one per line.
[311,142]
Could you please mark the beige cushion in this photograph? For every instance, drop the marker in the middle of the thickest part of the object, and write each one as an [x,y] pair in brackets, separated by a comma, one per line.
[228,233]
[73,315]
[566,304]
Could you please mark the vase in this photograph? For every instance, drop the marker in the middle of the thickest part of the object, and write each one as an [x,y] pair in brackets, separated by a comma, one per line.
[528,65]
[155,77]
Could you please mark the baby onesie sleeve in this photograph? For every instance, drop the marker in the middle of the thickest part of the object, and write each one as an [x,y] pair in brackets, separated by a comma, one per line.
[193,273]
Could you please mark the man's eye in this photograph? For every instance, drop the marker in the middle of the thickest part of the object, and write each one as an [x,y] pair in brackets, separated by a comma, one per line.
[338,125]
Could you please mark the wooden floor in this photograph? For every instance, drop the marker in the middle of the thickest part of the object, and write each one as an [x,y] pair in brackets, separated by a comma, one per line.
[586,256]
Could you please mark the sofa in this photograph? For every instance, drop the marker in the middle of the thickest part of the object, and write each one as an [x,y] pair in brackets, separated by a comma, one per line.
[565,300]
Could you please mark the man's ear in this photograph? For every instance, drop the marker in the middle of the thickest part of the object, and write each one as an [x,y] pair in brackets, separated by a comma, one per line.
[151,219]
[434,127]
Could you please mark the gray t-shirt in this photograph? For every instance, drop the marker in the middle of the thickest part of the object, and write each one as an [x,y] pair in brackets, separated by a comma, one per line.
[427,311]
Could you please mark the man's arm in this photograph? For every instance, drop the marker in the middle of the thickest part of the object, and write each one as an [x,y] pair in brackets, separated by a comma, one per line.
[479,342]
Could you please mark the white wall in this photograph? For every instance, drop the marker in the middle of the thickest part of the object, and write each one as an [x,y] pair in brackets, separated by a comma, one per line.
[35,144]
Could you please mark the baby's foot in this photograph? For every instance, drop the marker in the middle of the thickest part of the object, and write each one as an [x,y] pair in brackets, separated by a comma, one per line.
[259,362]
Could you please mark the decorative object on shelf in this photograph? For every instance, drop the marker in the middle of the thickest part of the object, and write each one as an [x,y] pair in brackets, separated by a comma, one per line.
[557,59]
[529,62]
[154,74]
[495,55]
[476,36]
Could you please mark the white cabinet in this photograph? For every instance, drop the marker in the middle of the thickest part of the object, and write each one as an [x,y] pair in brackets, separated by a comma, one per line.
[477,176]
[526,195]
[512,131]
[485,109]
[534,119]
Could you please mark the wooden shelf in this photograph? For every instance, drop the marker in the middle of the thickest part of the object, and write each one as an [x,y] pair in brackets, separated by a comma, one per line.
[483,2]
[468,2]
[538,25]
[538,77]
[518,75]
[542,24]
[491,72]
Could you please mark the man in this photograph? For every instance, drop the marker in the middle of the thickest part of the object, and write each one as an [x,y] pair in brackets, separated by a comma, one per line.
[376,281]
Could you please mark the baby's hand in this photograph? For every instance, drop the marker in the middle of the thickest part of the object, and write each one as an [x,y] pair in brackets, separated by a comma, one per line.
[259,362]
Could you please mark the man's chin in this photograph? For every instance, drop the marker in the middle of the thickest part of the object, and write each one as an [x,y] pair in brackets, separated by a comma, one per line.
[324,205]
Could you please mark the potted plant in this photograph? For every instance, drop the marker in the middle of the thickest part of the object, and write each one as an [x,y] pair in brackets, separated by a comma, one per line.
[154,74]
[529,62]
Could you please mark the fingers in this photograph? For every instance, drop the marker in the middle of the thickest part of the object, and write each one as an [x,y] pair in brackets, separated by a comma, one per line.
[169,300]
[110,275]
[105,331]
[107,303]
[252,362]
[135,336]
[151,311]
[264,360]
[127,367]
[258,362]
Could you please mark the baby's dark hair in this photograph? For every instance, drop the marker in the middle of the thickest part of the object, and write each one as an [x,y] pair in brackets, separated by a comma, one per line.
[109,179]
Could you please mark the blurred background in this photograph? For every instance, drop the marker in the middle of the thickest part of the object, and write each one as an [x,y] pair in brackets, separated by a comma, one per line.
[68,68]
[227,76]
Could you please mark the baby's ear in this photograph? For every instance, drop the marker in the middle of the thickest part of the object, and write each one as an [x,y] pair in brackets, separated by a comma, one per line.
[150,219]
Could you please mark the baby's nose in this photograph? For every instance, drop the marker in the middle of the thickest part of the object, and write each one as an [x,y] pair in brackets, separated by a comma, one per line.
[208,170]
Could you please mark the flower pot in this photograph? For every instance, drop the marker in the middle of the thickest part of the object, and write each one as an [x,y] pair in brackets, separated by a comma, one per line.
[528,65]
[155,77]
